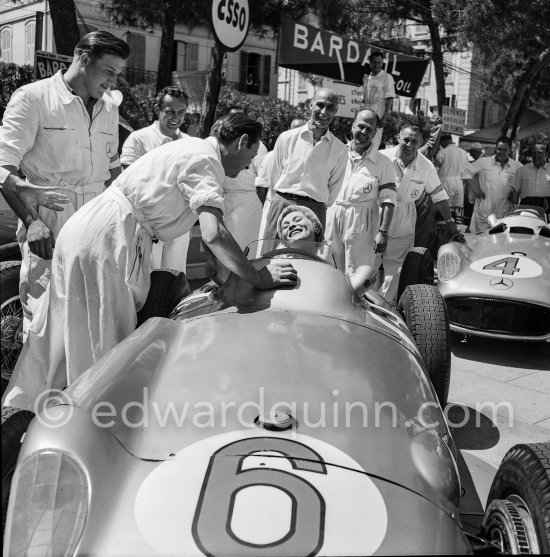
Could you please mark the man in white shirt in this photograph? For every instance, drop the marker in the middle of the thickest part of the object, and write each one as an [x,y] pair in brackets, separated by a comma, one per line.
[533,179]
[414,174]
[497,178]
[451,162]
[307,166]
[61,132]
[378,93]
[170,108]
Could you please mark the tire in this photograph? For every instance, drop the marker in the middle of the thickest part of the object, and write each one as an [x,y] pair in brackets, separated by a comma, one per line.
[166,290]
[417,268]
[423,310]
[11,319]
[521,486]
[12,432]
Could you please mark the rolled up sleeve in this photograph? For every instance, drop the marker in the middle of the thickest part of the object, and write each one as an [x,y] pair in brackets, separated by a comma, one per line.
[434,187]
[19,129]
[202,183]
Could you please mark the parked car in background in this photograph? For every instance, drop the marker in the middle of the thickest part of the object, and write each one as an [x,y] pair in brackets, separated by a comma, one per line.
[497,283]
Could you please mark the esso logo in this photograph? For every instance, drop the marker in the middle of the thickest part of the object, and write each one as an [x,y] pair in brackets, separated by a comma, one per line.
[230,21]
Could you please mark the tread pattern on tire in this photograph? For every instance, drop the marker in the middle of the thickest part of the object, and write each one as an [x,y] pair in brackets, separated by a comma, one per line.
[525,471]
[427,320]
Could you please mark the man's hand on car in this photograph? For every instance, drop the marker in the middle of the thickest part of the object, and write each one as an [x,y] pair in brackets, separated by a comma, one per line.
[277,274]
[41,239]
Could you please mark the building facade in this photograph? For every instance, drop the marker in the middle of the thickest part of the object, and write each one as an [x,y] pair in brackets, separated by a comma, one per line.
[251,69]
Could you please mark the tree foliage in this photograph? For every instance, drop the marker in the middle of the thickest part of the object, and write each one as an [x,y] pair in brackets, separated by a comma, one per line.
[513,41]
[12,77]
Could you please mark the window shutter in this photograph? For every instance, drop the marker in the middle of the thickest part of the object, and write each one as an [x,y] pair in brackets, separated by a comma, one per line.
[244,68]
[267,75]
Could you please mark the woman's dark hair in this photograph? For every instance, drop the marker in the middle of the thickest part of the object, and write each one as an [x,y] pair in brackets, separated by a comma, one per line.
[231,127]
[99,43]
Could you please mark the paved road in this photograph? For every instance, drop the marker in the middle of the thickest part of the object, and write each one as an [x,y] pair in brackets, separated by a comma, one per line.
[504,388]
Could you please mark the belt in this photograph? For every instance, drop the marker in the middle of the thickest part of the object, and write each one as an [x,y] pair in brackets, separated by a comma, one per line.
[64,186]
[369,203]
[292,197]
[118,196]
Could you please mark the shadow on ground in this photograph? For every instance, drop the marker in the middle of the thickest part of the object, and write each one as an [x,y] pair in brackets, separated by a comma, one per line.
[471,429]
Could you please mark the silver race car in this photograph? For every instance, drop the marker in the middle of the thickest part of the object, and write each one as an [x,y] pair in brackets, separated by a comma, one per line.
[296,421]
[497,283]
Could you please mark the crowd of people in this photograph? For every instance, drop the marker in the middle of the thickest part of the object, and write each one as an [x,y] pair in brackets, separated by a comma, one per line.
[93,226]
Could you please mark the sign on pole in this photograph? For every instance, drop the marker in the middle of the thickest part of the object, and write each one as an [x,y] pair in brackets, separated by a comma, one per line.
[350,98]
[454,120]
[311,50]
[47,64]
[230,21]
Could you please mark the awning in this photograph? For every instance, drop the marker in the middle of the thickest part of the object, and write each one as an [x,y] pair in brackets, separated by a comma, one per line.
[311,50]
[531,123]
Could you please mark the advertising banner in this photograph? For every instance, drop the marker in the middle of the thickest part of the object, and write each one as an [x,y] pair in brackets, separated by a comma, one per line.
[311,50]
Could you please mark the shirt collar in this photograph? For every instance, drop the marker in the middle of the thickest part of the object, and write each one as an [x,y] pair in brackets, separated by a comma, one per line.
[370,153]
[305,129]
[67,94]
[214,142]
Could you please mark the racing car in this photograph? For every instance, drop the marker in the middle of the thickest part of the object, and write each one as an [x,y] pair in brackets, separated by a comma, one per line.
[294,421]
[497,283]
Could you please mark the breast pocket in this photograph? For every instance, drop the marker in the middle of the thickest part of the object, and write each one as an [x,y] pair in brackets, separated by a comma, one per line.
[59,148]
[365,185]
[104,146]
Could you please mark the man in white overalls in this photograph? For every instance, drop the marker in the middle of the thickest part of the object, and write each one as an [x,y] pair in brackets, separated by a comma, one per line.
[62,132]
[414,174]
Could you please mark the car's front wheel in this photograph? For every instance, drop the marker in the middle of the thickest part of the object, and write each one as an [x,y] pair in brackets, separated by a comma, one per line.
[13,428]
[423,309]
[11,318]
[417,268]
[517,517]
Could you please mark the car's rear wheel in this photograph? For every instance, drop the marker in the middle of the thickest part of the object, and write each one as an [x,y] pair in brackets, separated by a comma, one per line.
[423,310]
[13,429]
[166,290]
[517,517]
[11,319]
[417,268]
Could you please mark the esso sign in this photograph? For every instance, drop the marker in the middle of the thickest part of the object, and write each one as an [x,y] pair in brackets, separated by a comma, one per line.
[230,21]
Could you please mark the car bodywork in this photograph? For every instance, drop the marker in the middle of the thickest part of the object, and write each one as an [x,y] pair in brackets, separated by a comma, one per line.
[295,421]
[497,283]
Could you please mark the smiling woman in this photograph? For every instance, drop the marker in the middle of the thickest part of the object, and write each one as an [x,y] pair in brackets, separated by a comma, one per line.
[299,227]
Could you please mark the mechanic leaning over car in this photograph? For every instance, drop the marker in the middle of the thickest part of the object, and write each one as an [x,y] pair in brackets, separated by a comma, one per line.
[532,185]
[497,178]
[101,265]
[62,132]
[414,174]
[307,166]
[170,107]
[353,222]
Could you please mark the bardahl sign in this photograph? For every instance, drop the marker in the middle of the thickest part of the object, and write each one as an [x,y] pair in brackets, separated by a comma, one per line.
[311,50]
[47,64]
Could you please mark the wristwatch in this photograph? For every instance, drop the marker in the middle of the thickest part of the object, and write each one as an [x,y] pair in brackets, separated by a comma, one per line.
[383,231]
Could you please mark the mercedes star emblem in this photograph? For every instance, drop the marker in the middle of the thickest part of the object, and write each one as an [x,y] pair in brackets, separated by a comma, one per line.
[501,283]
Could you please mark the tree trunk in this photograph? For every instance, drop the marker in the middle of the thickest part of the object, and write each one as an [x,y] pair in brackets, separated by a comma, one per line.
[164,72]
[522,91]
[212,91]
[65,28]
[437,57]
